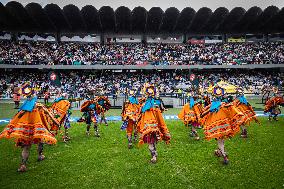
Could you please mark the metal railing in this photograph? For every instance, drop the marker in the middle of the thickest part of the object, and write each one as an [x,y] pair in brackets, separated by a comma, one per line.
[125,63]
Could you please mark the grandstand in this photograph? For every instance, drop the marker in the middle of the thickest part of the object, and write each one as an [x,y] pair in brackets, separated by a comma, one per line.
[108,42]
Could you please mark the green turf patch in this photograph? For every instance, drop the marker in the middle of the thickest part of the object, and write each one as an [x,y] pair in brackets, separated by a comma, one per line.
[106,162]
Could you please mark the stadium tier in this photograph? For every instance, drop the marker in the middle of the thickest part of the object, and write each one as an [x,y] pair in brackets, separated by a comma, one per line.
[45,53]
[139,38]
[79,84]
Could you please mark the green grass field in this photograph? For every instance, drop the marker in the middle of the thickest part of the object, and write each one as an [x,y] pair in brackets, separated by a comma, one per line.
[106,162]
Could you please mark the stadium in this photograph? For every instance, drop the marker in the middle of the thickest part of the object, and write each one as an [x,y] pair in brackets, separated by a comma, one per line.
[141,95]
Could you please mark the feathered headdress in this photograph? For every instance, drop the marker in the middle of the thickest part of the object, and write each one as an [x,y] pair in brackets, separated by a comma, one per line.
[218,91]
[27,90]
[150,90]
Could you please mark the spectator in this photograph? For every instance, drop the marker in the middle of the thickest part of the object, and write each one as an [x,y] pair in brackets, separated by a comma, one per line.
[80,83]
[23,52]
[46,97]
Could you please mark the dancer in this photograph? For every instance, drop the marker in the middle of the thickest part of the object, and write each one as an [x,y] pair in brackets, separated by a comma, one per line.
[190,115]
[249,115]
[206,99]
[61,109]
[30,126]
[130,113]
[221,121]
[198,108]
[151,124]
[91,109]
[105,105]
[272,105]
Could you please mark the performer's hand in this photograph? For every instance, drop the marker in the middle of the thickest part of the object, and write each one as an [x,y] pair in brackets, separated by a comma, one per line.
[226,104]
[39,105]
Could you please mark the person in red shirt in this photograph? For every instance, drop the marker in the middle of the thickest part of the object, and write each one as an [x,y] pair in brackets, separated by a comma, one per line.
[46,97]
[16,97]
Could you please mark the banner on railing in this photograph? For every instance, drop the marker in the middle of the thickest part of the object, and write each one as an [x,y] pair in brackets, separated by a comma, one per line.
[196,41]
[208,41]
[236,40]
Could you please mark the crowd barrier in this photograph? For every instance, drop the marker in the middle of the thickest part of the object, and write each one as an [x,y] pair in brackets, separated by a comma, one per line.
[171,100]
[139,67]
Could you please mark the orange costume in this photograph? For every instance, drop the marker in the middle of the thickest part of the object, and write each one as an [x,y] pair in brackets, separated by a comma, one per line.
[131,111]
[31,127]
[105,105]
[151,124]
[130,114]
[272,106]
[91,109]
[59,108]
[190,114]
[249,115]
[221,121]
[187,115]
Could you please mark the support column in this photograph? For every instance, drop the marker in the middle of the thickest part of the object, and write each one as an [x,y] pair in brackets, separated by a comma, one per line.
[14,36]
[224,36]
[266,37]
[102,37]
[58,37]
[144,39]
[184,38]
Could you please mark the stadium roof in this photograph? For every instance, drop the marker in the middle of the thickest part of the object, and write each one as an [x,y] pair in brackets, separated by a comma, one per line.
[51,18]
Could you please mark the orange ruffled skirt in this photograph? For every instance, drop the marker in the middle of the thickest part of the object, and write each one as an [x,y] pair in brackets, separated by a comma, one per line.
[222,124]
[247,110]
[152,127]
[30,128]
[187,115]
[60,109]
[272,104]
[131,114]
[191,116]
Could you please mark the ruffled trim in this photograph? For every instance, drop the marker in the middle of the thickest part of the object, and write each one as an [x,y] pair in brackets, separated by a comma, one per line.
[226,127]
[150,131]
[28,134]
[85,105]
[272,103]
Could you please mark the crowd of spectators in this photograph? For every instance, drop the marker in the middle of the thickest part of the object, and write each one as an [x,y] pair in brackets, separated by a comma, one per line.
[81,83]
[23,52]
